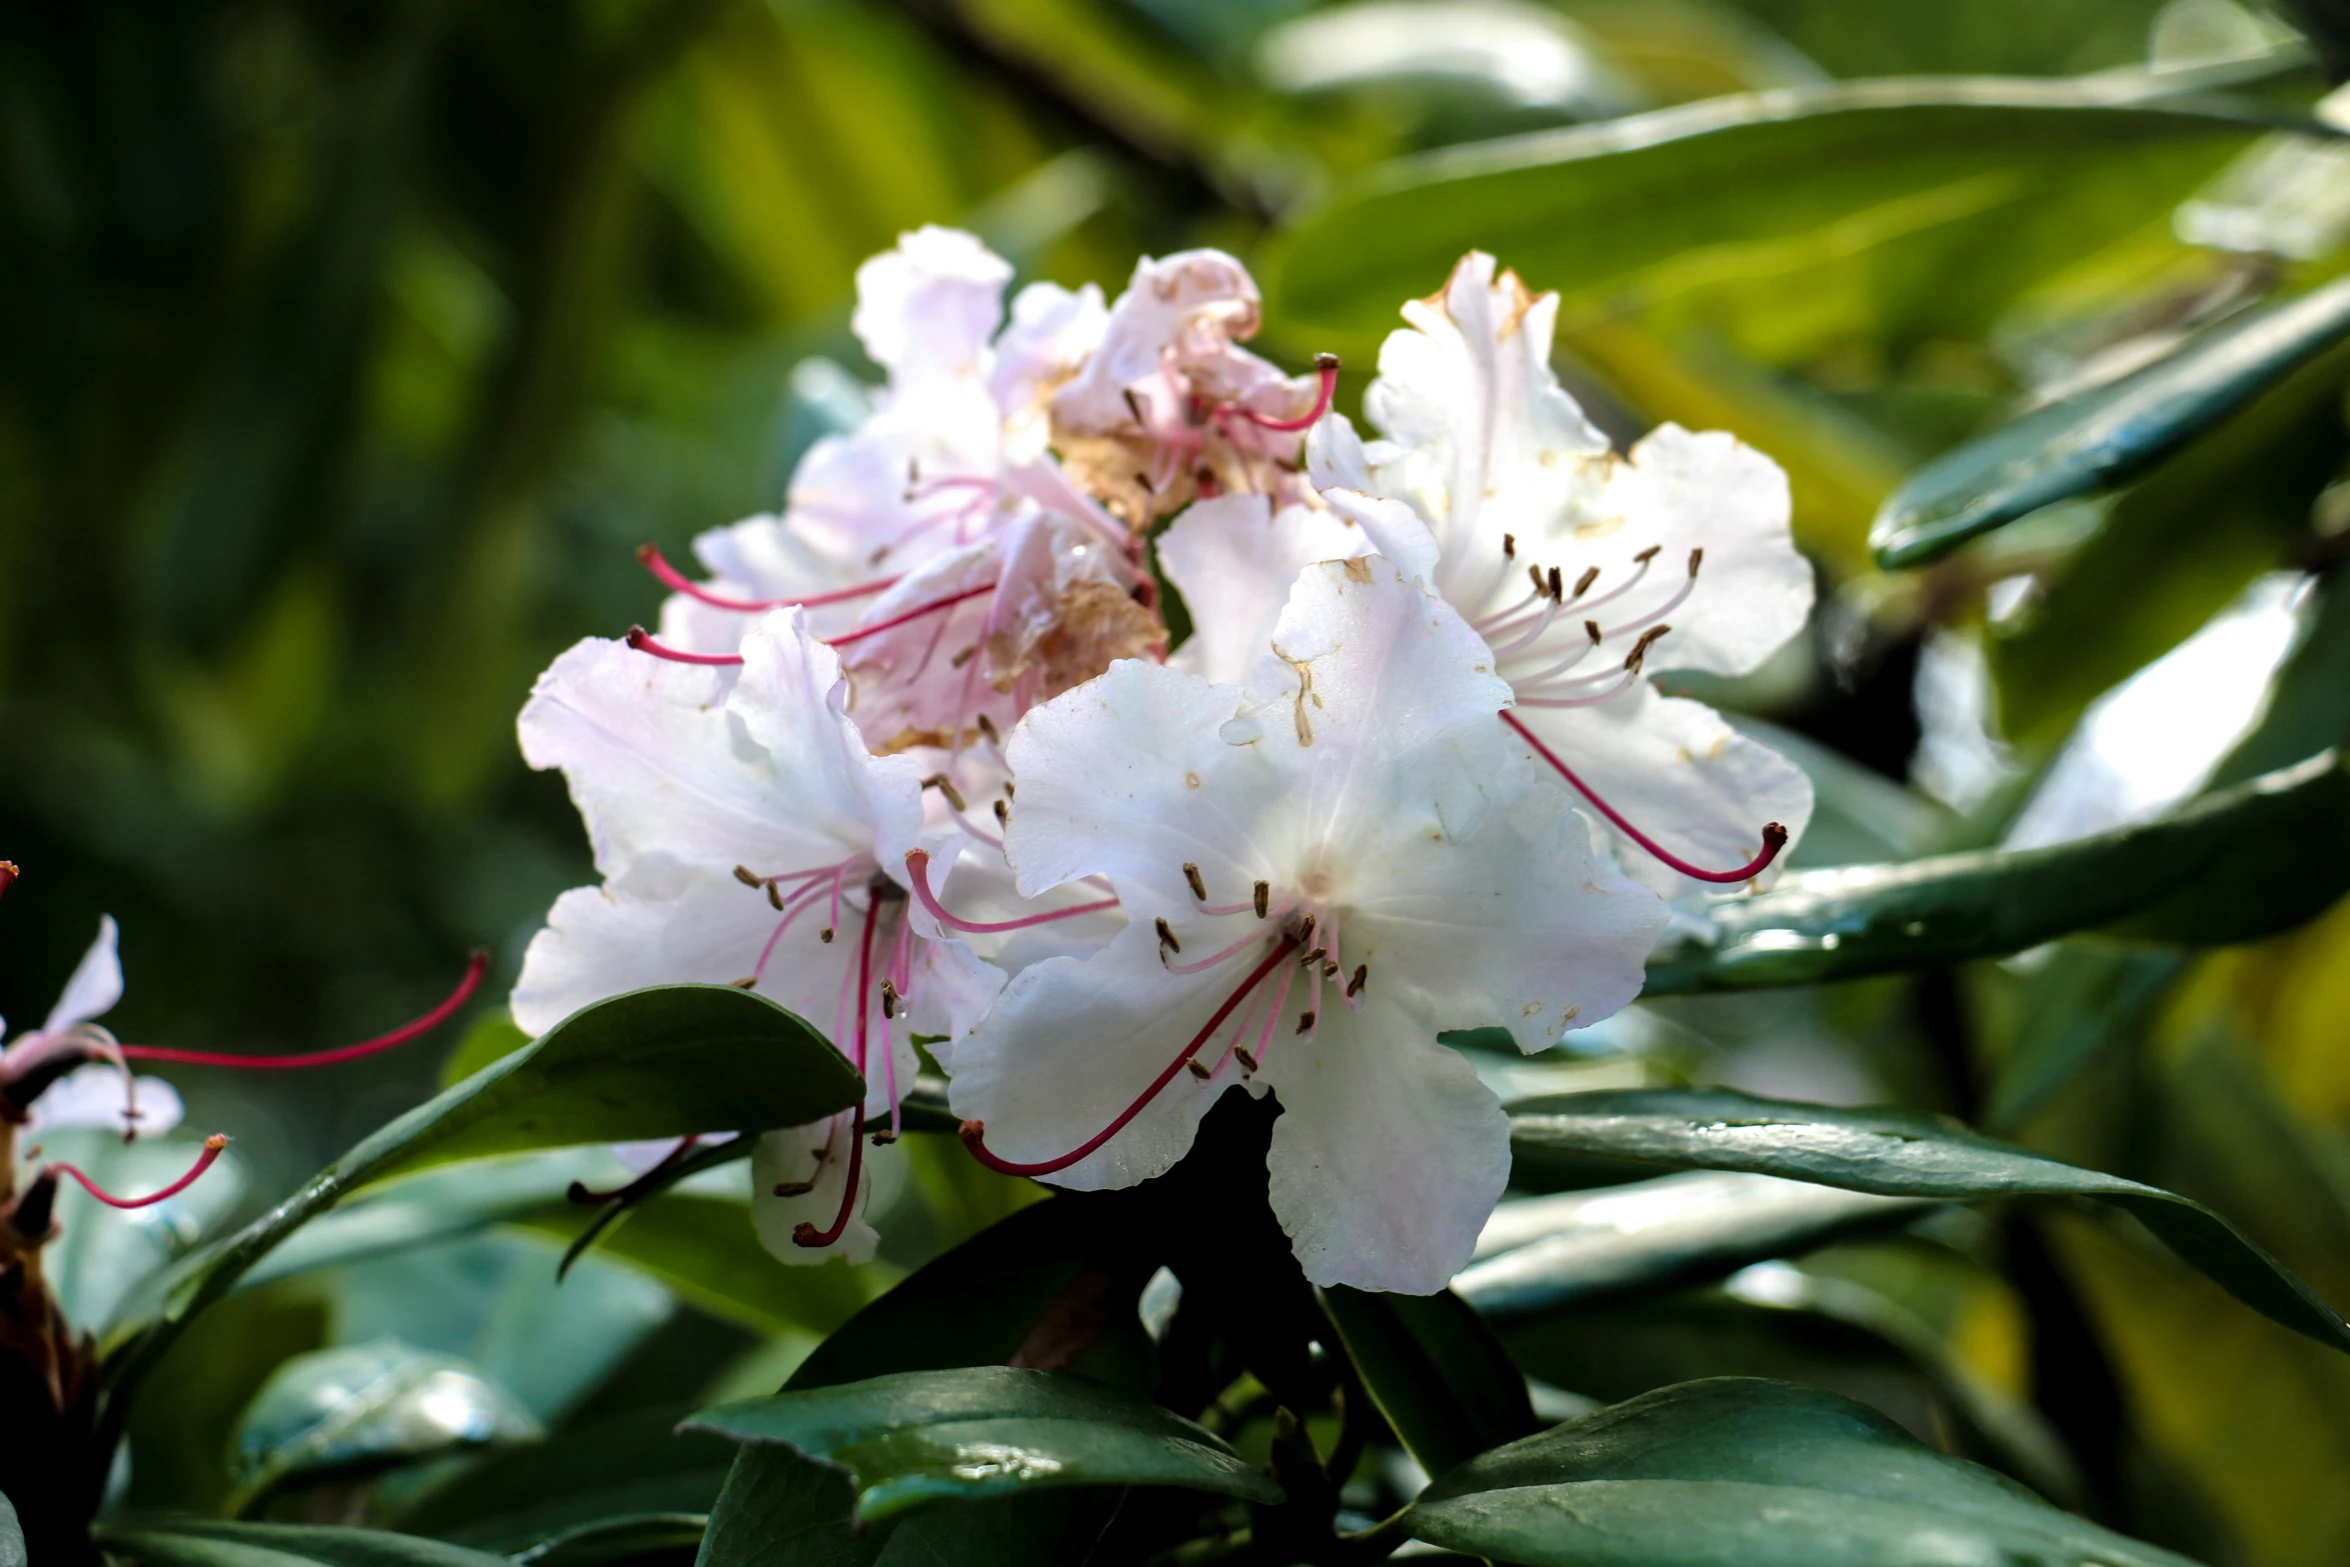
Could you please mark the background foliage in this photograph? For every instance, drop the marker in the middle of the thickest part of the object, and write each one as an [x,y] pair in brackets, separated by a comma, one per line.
[351,348]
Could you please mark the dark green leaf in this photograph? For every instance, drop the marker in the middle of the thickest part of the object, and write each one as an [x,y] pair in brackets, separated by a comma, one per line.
[616,1539]
[661,1062]
[2069,1010]
[979,1431]
[634,1464]
[1437,1373]
[1741,1472]
[1899,1153]
[1541,1254]
[2207,872]
[2309,701]
[202,1542]
[2105,437]
[364,1407]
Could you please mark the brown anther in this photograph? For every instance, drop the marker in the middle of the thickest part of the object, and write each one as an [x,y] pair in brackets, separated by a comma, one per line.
[1133,405]
[1248,1063]
[946,787]
[1167,939]
[1143,482]
[964,657]
[1325,361]
[1362,976]
[884,1137]
[1509,546]
[825,935]
[1540,586]
[1313,957]
[1264,897]
[1696,559]
[1633,659]
[1011,790]
[1305,931]
[794,1188]
[774,897]
[889,999]
[987,728]
[1583,583]
[1199,888]
[1003,813]
[1646,555]
[747,982]
[1558,592]
[1329,968]
[1305,1022]
[747,876]
[1591,630]
[1198,1071]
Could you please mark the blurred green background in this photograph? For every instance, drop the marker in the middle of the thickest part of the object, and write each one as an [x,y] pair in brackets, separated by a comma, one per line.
[350,348]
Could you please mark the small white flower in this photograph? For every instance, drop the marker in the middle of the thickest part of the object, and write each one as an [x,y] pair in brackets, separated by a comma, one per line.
[100,1093]
[1321,873]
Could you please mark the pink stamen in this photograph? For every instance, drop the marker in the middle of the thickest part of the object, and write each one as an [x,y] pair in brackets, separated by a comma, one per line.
[1213,959]
[1774,836]
[1532,634]
[974,1133]
[475,967]
[1274,1013]
[670,577]
[806,1233]
[1326,365]
[645,642]
[1680,596]
[801,902]
[918,869]
[1559,668]
[891,624]
[1622,682]
[212,1147]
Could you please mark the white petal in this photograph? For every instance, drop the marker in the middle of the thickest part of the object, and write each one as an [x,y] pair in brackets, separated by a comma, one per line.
[93,1096]
[1051,332]
[790,1156]
[1178,318]
[598,944]
[1072,1043]
[792,700]
[929,306]
[96,984]
[1389,1154]
[1234,559]
[1682,776]
[1394,530]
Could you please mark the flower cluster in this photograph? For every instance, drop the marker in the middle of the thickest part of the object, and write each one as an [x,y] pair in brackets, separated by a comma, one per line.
[918,760]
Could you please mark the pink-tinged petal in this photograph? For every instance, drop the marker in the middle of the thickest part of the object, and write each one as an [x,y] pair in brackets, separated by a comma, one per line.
[953,988]
[1684,777]
[791,699]
[1233,559]
[818,1153]
[1050,335]
[1392,529]
[1072,1043]
[96,984]
[929,307]
[1178,320]
[597,945]
[92,1096]
[1389,1154]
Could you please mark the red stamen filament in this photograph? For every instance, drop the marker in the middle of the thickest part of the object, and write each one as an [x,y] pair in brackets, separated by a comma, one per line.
[475,967]
[918,869]
[974,1133]
[895,621]
[645,642]
[806,1234]
[1327,366]
[1774,836]
[212,1147]
[670,577]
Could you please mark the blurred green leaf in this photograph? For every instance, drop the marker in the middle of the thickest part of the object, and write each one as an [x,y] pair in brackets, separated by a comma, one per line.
[2208,872]
[2070,1008]
[2309,700]
[1741,1472]
[635,1464]
[661,1062]
[2106,436]
[201,1542]
[1435,1370]
[626,1537]
[1899,1153]
[980,1431]
[336,1413]
[1544,1254]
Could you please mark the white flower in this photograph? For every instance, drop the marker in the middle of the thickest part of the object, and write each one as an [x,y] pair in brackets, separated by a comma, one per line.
[746,834]
[1321,873]
[1583,571]
[101,1093]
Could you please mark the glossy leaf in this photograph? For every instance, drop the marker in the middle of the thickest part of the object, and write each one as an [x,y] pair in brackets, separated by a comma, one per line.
[359,1408]
[1899,1153]
[2104,437]
[984,1431]
[202,1542]
[12,1553]
[1435,1370]
[661,1062]
[1542,1254]
[1742,1472]
[2207,872]
[617,1539]
[509,1500]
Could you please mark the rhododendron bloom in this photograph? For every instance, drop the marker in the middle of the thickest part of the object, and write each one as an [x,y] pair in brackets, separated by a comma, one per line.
[746,834]
[1583,571]
[101,1092]
[1321,871]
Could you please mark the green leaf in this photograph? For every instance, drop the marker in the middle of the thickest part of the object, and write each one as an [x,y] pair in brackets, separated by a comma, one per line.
[622,1538]
[2107,436]
[354,1410]
[633,1464]
[1742,1472]
[661,1062]
[981,1431]
[202,1542]
[12,1553]
[2208,872]
[2069,1010]
[1923,202]
[1899,1153]
[1543,1254]
[1436,1372]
